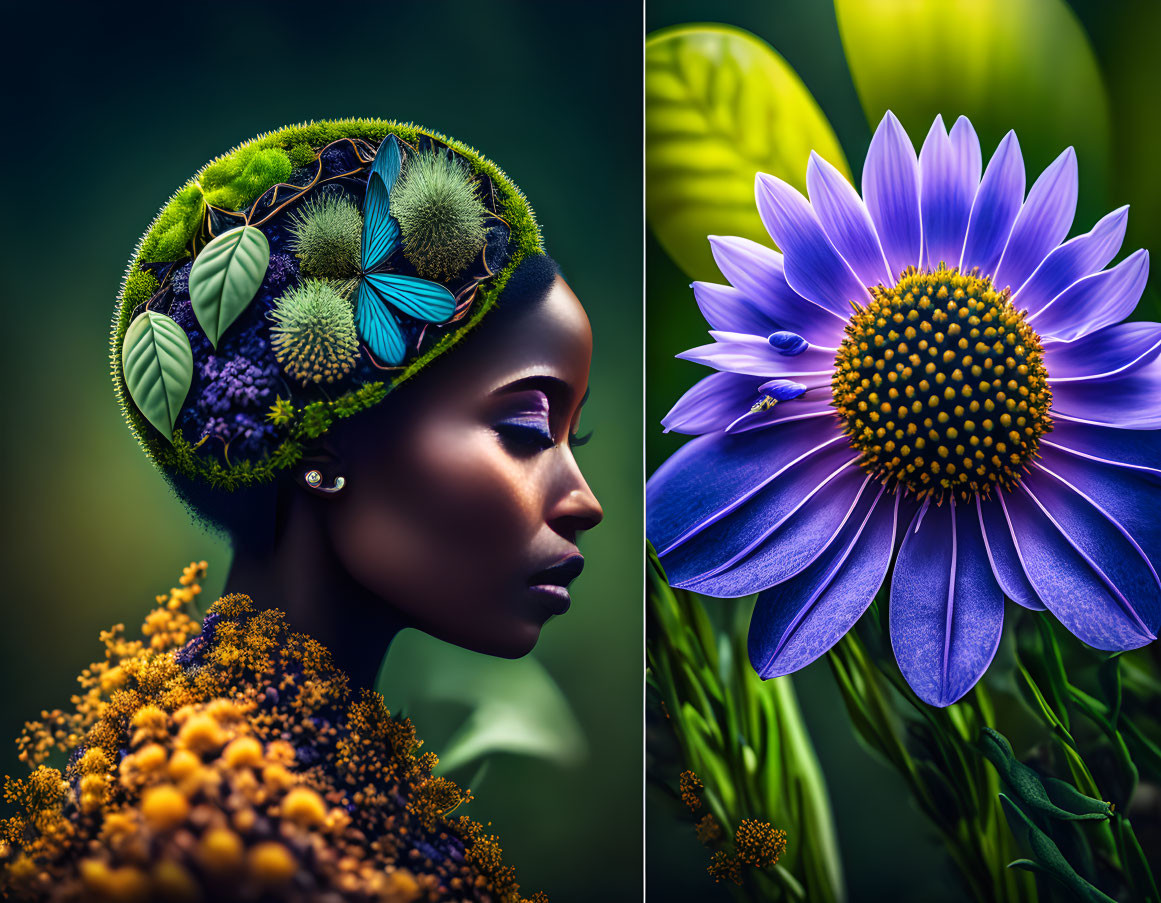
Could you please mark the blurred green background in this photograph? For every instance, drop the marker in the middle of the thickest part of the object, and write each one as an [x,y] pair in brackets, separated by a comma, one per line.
[889,852]
[118,105]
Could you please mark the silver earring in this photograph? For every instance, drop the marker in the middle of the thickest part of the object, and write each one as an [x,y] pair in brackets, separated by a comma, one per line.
[314,481]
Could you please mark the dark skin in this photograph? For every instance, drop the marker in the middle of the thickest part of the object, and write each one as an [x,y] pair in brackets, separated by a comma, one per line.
[461,489]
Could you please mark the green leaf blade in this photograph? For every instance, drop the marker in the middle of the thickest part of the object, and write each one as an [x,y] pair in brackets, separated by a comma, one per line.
[720,106]
[157,361]
[226,276]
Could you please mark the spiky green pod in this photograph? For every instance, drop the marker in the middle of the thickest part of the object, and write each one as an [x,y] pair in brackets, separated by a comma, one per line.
[326,236]
[441,218]
[314,335]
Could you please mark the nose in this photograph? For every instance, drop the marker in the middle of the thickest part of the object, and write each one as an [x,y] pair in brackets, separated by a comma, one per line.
[574,507]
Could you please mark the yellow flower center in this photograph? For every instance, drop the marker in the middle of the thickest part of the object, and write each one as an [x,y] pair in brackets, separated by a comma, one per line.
[941,384]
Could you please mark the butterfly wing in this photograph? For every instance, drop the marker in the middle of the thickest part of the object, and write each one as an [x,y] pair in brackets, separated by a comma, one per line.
[419,298]
[378,327]
[380,228]
[387,161]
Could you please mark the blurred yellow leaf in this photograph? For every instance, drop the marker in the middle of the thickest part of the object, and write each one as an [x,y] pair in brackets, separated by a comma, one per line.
[720,106]
[1005,64]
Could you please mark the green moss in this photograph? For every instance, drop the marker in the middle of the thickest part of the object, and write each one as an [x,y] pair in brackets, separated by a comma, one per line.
[179,456]
[233,181]
[327,232]
[314,334]
[316,420]
[286,455]
[140,286]
[177,224]
[360,399]
[301,154]
[441,217]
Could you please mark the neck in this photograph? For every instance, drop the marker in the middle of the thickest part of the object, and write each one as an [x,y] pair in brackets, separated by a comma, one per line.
[302,576]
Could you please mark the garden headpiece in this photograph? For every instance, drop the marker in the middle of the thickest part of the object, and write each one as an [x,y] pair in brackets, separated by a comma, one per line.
[296,280]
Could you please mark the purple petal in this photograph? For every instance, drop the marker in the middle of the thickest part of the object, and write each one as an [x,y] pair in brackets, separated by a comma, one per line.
[995,207]
[786,545]
[947,188]
[718,543]
[731,309]
[797,621]
[1102,541]
[1102,353]
[1072,585]
[757,272]
[1073,260]
[1095,301]
[946,607]
[891,190]
[1129,399]
[1128,498]
[811,404]
[1006,564]
[846,221]
[966,147]
[741,353]
[814,268]
[1130,449]
[710,476]
[711,404]
[1043,222]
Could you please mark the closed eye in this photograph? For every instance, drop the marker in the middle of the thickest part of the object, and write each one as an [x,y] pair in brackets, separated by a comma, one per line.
[525,435]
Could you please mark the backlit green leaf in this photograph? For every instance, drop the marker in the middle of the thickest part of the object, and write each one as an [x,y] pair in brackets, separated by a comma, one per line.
[1005,64]
[225,276]
[720,106]
[158,364]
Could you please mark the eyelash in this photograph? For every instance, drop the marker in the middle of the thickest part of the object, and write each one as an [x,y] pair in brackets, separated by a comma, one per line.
[525,434]
[535,437]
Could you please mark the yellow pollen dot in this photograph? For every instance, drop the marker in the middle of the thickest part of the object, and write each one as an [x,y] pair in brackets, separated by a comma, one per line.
[164,807]
[271,863]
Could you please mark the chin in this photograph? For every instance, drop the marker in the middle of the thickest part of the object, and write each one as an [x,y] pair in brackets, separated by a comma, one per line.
[515,643]
[512,640]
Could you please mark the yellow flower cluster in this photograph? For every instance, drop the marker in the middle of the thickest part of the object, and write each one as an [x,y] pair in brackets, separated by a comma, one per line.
[756,844]
[229,760]
[690,787]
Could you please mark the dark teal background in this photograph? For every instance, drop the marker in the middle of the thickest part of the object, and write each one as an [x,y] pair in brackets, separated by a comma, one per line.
[889,852]
[110,108]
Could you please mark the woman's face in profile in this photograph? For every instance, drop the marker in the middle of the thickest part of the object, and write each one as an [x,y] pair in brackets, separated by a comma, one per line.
[463,500]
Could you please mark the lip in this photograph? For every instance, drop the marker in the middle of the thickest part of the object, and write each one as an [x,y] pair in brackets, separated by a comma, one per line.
[551,584]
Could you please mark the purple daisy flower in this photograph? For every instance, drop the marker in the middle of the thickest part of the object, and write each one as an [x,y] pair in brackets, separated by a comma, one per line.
[928,372]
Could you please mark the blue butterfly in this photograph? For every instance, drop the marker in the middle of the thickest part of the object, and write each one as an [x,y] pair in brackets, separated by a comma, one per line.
[379,292]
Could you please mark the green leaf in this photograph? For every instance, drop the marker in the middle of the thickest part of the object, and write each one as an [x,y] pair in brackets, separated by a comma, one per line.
[1005,64]
[225,276]
[720,106]
[1047,854]
[1060,801]
[158,364]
